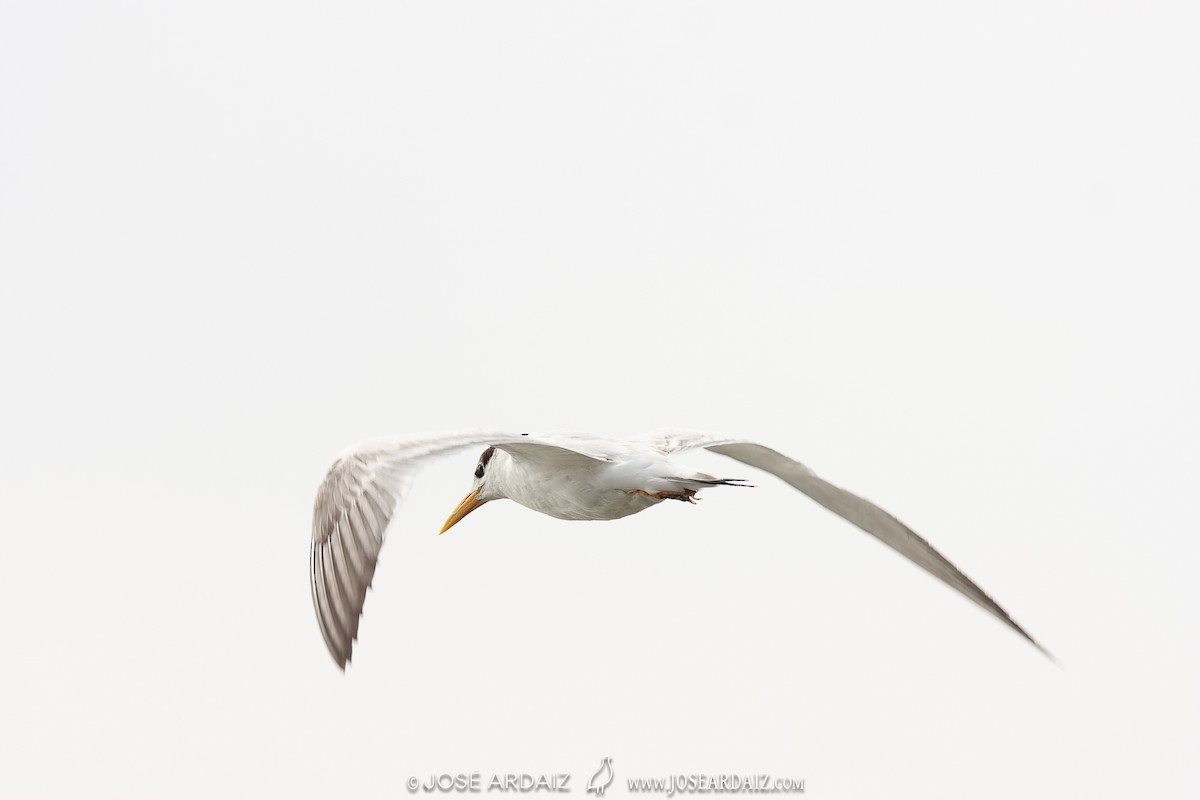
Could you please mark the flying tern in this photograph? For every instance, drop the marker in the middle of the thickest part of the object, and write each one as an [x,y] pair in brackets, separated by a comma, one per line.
[565,475]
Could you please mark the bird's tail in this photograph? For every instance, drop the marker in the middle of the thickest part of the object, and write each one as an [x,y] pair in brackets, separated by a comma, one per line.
[700,483]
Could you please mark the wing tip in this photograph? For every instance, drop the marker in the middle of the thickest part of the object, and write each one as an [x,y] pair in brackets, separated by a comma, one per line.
[1010,622]
[340,657]
[1053,659]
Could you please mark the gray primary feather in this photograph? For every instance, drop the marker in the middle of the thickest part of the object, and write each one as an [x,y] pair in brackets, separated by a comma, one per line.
[355,503]
[863,513]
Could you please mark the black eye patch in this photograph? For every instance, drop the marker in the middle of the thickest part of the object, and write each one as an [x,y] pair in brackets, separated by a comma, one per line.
[483,461]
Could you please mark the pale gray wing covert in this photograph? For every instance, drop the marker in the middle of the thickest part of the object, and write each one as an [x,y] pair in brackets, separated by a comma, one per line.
[356,502]
[863,513]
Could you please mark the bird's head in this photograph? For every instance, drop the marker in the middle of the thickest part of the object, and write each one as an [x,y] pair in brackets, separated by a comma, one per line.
[478,495]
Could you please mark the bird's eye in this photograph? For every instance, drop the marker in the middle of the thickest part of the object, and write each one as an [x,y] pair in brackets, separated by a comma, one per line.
[484,458]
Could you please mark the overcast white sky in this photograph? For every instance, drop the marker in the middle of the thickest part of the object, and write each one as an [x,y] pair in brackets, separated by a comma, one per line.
[945,253]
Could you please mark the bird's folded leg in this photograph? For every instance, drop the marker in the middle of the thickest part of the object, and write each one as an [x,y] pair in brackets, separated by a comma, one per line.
[684,495]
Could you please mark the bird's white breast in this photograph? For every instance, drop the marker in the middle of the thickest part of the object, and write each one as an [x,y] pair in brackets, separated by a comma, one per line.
[584,490]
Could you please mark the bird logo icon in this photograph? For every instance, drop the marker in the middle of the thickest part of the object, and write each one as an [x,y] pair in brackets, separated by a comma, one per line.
[603,777]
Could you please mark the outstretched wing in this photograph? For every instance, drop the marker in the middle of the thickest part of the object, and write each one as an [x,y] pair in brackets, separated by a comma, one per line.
[863,513]
[355,503]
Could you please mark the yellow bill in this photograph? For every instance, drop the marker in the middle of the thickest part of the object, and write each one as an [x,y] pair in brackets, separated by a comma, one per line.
[468,504]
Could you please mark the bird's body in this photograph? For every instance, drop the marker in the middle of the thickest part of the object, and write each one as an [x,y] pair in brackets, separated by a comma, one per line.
[571,476]
[632,478]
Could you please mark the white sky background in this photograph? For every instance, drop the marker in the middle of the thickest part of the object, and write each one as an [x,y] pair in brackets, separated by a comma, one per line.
[944,253]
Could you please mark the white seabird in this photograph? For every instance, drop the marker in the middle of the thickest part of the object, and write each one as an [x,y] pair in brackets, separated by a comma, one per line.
[565,475]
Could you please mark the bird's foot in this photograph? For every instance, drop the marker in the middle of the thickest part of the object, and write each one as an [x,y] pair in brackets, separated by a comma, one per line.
[684,495]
